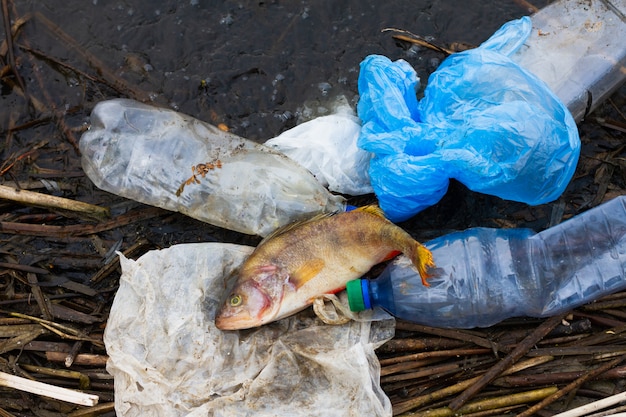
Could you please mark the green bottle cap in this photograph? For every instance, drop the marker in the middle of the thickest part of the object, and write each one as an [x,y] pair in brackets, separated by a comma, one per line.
[355,295]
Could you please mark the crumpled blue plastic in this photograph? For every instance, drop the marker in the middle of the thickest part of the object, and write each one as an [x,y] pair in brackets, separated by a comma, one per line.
[484,121]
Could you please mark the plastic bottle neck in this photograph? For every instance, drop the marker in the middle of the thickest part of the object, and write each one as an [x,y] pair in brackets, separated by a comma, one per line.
[358,295]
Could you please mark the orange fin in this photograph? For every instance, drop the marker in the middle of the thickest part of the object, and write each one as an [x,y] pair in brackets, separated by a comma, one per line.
[423,260]
[391,255]
[307,272]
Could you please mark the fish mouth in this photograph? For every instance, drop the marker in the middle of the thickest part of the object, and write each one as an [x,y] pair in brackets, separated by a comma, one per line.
[238,323]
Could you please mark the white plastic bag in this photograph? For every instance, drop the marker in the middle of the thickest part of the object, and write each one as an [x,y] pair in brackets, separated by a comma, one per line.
[326,146]
[169,359]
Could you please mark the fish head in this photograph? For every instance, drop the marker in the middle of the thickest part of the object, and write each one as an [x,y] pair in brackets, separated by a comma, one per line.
[254,300]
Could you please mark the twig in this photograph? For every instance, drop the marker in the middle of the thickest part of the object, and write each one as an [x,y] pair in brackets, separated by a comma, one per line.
[47,390]
[434,370]
[460,386]
[617,108]
[613,124]
[93,411]
[53,202]
[88,359]
[24,268]
[74,351]
[554,378]
[12,159]
[5,413]
[65,313]
[572,386]
[92,78]
[488,404]
[510,359]
[19,341]
[436,354]
[12,330]
[407,366]
[65,332]
[42,302]
[451,334]
[602,305]
[9,38]
[426,343]
[405,35]
[79,229]
[83,380]
[18,22]
[115,263]
[573,350]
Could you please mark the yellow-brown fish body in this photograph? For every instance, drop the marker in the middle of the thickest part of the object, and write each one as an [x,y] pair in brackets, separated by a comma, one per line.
[291,267]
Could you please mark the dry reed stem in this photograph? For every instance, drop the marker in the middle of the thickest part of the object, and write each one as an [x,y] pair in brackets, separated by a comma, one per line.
[79,229]
[460,386]
[487,404]
[522,348]
[83,379]
[434,354]
[47,390]
[65,332]
[55,203]
[594,406]
[572,386]
[94,410]
[462,335]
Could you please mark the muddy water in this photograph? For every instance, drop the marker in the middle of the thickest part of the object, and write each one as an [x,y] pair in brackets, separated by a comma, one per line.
[256,66]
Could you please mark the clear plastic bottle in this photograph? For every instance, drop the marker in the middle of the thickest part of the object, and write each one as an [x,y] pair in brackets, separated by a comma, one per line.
[578,50]
[166,159]
[484,276]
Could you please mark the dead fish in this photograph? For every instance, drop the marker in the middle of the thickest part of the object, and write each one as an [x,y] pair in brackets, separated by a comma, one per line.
[300,262]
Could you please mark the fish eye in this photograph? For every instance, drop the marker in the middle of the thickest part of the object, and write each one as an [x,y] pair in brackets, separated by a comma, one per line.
[235,300]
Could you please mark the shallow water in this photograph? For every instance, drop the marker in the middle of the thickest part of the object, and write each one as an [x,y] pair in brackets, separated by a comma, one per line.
[255,66]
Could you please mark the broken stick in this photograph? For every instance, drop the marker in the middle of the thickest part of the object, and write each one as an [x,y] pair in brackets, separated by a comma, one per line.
[50,201]
[47,390]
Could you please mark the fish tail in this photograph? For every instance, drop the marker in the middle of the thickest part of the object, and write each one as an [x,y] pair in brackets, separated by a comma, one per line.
[423,260]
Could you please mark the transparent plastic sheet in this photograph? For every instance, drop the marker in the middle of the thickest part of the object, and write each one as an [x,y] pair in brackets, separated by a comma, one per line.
[146,154]
[578,49]
[484,121]
[327,147]
[168,359]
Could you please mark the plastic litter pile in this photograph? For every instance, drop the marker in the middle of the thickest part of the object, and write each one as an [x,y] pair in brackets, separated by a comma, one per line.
[484,120]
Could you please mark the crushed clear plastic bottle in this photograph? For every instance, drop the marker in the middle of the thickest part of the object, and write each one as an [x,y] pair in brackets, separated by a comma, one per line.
[166,159]
[484,276]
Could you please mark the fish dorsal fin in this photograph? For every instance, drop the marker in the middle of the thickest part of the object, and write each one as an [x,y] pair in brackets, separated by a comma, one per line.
[309,270]
[372,209]
[289,227]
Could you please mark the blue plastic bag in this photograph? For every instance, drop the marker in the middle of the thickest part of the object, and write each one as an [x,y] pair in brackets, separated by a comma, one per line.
[483,121]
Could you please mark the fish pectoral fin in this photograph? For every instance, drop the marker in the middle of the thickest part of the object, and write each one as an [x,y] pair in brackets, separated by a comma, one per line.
[391,255]
[306,272]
